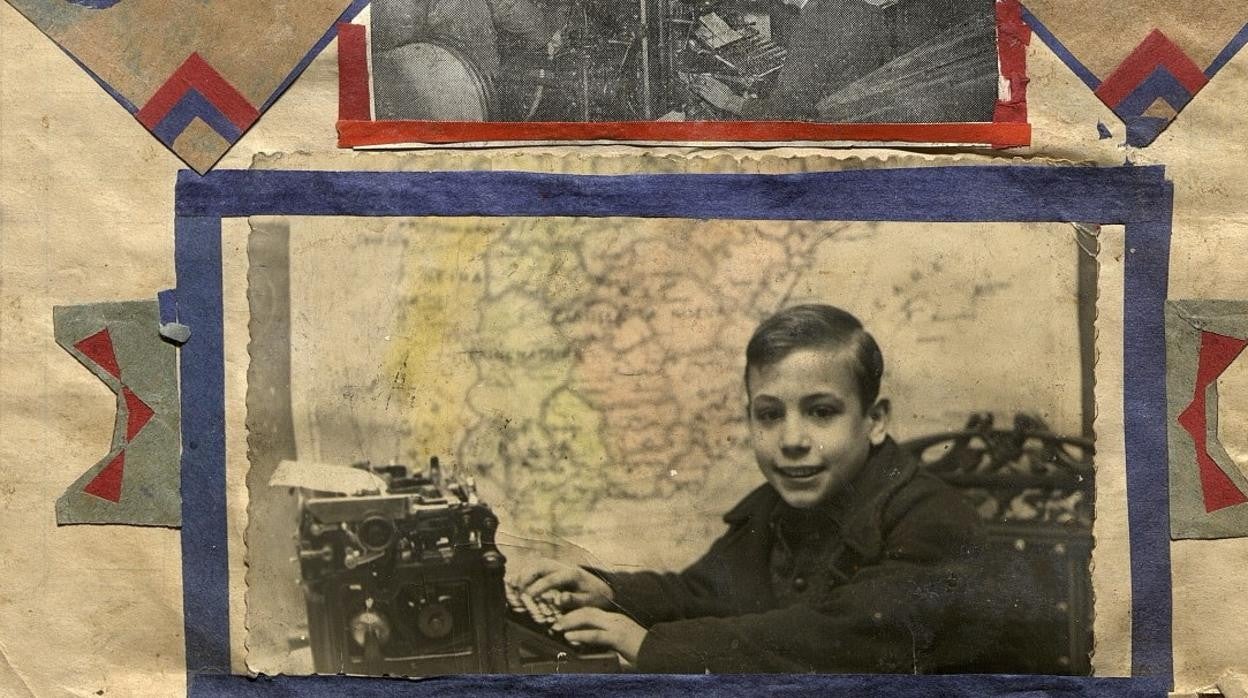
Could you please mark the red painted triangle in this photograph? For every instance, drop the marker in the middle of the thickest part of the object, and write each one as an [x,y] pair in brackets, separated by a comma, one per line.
[1193,420]
[137,413]
[99,348]
[1219,490]
[107,483]
[1217,352]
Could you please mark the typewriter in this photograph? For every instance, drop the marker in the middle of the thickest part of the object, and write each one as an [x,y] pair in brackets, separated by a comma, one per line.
[725,42]
[402,577]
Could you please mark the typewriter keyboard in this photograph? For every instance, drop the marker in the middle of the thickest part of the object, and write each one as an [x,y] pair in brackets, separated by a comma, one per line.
[541,611]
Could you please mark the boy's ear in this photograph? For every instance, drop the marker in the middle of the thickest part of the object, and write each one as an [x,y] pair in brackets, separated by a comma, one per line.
[879,414]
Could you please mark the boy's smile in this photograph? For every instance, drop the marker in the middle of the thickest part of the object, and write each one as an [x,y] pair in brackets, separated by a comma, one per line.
[810,432]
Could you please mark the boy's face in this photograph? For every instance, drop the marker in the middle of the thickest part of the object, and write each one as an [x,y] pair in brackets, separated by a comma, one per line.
[810,430]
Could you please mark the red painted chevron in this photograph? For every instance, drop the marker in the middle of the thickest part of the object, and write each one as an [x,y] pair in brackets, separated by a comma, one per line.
[138,414]
[195,73]
[99,348]
[1156,51]
[1216,354]
[107,483]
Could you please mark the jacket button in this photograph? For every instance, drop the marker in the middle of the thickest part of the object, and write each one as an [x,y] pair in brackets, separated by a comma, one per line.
[799,584]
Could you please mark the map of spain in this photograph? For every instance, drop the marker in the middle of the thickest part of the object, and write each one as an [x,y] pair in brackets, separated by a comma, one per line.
[583,370]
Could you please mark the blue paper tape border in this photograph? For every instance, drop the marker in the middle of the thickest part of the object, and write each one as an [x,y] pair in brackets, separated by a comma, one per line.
[1057,47]
[167,302]
[1228,52]
[1137,197]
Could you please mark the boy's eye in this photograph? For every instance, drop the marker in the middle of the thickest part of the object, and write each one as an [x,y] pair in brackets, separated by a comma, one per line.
[768,415]
[823,411]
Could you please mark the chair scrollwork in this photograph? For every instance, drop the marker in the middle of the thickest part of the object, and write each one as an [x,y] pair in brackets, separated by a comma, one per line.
[1024,474]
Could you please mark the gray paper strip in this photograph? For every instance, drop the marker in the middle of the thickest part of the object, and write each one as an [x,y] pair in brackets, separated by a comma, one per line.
[137,481]
[1186,320]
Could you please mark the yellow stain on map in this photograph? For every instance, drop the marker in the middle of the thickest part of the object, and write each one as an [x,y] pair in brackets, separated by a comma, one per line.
[430,374]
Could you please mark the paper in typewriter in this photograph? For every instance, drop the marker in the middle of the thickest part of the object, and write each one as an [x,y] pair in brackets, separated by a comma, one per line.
[587,374]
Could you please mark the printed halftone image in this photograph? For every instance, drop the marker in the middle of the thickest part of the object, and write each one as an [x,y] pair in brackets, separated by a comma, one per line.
[865,61]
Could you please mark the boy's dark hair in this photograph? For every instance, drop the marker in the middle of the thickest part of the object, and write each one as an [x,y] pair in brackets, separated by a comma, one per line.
[816,326]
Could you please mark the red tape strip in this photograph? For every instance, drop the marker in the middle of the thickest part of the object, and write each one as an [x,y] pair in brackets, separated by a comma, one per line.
[353,81]
[352,134]
[1013,36]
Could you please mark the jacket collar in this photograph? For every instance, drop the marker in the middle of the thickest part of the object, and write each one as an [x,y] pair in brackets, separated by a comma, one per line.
[858,510]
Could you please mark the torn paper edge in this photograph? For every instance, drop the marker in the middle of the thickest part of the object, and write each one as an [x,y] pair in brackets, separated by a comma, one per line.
[1110,580]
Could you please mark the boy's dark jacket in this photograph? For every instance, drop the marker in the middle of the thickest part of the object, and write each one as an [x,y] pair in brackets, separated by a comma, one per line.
[896,583]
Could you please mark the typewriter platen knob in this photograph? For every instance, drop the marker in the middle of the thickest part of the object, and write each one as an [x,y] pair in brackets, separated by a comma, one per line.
[376,532]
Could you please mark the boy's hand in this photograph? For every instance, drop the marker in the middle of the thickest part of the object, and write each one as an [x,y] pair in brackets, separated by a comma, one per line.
[579,588]
[593,626]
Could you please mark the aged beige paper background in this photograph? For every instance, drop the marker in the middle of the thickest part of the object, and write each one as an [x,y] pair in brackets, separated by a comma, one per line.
[87,200]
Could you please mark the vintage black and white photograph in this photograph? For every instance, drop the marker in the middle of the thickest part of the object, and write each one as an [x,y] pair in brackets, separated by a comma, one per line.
[836,61]
[663,445]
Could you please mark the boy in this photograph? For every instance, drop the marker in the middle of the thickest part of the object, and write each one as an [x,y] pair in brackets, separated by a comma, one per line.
[848,559]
